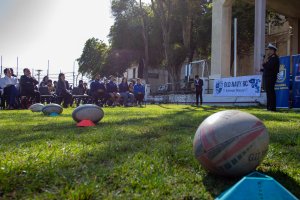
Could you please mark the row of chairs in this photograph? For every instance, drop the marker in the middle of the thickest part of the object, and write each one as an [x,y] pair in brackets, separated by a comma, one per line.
[24,102]
[78,98]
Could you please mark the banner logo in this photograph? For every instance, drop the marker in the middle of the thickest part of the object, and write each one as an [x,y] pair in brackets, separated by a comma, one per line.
[219,87]
[281,76]
[255,83]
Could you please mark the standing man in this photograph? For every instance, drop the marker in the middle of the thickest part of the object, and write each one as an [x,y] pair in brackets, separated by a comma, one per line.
[198,86]
[270,71]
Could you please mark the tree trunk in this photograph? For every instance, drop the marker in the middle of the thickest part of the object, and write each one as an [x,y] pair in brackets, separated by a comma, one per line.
[146,43]
[164,16]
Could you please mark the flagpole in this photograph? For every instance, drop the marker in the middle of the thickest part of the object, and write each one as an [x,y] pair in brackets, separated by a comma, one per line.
[48,68]
[17,65]
[1,67]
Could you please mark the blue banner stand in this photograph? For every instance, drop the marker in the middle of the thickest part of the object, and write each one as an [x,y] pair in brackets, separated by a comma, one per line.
[282,86]
[257,186]
[296,81]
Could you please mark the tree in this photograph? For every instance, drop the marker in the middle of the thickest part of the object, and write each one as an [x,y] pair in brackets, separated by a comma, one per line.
[93,57]
[118,61]
[164,33]
[182,28]
[136,33]
[145,34]
[174,51]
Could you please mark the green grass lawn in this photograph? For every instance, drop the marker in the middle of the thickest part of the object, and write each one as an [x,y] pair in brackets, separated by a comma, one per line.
[133,153]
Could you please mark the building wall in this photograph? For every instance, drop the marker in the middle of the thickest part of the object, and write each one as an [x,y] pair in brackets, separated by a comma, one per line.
[156,77]
[286,42]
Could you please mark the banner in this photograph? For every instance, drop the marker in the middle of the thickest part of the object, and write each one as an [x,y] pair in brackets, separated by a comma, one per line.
[296,81]
[243,86]
[282,86]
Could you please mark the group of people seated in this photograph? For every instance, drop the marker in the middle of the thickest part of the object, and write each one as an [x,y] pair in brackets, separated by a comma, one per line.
[12,88]
[109,93]
[20,93]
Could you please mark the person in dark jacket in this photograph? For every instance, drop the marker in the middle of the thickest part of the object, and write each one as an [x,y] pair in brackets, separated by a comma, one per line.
[62,91]
[198,87]
[81,90]
[44,82]
[28,85]
[112,90]
[139,92]
[124,92]
[98,90]
[270,71]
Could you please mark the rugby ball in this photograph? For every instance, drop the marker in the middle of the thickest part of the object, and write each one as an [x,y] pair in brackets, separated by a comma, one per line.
[231,143]
[88,112]
[52,108]
[37,107]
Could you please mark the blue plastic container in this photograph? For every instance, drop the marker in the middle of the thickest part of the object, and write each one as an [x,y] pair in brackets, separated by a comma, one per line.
[257,186]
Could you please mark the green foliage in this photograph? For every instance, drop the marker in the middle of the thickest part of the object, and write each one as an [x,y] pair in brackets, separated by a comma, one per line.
[93,57]
[118,61]
[245,13]
[133,153]
[126,33]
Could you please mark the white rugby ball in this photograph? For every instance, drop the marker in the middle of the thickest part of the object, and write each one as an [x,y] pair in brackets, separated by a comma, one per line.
[52,108]
[88,112]
[231,143]
[37,107]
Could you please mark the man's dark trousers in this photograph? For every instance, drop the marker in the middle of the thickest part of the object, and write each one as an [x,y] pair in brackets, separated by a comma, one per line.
[271,95]
[198,94]
[12,93]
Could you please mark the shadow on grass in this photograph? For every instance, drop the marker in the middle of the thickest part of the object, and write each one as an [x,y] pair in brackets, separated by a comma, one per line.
[215,185]
[286,181]
[57,129]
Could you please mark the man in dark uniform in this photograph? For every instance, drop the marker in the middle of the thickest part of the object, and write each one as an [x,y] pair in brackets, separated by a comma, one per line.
[270,71]
[198,86]
[28,84]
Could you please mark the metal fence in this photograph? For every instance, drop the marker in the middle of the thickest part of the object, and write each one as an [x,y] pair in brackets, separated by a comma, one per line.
[72,77]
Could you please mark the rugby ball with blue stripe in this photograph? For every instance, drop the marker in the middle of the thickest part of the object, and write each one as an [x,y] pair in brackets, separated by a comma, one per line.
[52,108]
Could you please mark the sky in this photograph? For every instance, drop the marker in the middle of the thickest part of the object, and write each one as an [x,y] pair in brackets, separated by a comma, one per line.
[36,31]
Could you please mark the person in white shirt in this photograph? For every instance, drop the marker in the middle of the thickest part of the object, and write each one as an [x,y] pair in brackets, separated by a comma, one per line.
[9,86]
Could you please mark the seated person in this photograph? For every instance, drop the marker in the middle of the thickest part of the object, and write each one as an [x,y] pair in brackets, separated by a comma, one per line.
[81,89]
[139,92]
[9,87]
[98,90]
[27,86]
[112,90]
[62,91]
[44,81]
[50,86]
[47,92]
[124,92]
[130,87]
[12,73]
[85,87]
